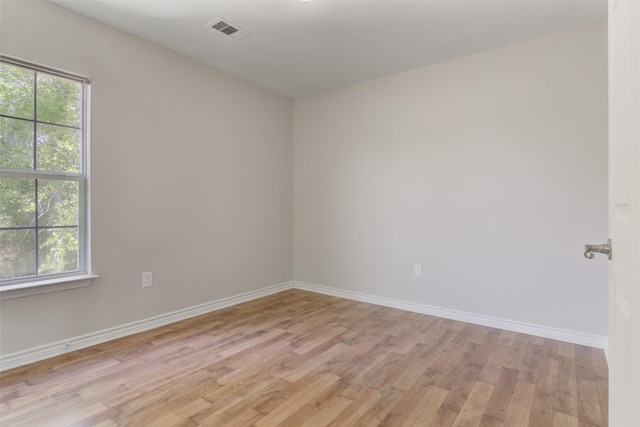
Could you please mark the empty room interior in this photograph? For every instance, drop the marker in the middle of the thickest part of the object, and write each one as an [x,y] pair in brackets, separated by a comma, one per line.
[320,213]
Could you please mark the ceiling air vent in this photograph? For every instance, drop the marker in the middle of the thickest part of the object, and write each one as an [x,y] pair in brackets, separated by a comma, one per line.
[229,29]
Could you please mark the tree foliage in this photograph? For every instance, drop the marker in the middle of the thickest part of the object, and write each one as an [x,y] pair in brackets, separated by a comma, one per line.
[40,130]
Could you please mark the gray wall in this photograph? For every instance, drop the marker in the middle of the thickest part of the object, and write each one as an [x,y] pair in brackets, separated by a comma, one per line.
[192,179]
[490,170]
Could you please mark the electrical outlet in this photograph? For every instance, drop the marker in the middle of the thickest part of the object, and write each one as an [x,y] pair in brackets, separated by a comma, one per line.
[417,270]
[147,279]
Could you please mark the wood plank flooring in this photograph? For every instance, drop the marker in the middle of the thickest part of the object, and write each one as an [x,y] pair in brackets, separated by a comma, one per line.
[302,359]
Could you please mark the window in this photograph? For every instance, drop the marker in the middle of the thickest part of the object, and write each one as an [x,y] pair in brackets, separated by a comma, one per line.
[43,174]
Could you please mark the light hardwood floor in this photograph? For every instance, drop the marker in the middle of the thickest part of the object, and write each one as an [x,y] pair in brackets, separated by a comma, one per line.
[302,359]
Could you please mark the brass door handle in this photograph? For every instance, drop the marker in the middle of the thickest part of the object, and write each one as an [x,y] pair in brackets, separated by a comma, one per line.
[603,249]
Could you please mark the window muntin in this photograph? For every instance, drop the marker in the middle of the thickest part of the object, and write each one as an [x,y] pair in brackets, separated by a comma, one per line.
[43,173]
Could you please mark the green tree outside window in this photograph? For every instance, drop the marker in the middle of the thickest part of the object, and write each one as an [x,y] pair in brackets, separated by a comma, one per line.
[42,172]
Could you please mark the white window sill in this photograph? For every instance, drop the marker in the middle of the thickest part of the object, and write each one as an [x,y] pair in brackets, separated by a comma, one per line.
[44,286]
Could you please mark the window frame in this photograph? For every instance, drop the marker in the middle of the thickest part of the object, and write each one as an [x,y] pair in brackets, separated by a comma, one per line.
[39,283]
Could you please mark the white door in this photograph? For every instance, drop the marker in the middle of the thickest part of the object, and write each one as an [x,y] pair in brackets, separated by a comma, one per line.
[624,213]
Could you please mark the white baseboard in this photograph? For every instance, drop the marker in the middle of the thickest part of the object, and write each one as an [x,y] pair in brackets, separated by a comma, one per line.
[76,343]
[574,337]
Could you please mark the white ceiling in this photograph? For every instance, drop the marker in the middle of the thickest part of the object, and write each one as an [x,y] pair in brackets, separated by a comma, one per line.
[298,48]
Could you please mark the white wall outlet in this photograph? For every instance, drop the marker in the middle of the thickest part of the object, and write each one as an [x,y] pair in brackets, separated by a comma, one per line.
[147,279]
[417,270]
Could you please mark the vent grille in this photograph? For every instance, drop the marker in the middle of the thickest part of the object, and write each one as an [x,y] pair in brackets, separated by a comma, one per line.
[227,28]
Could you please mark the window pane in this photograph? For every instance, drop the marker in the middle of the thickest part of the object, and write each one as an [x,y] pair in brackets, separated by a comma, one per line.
[58,149]
[57,203]
[57,250]
[17,202]
[16,91]
[59,100]
[16,144]
[42,133]
[17,253]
